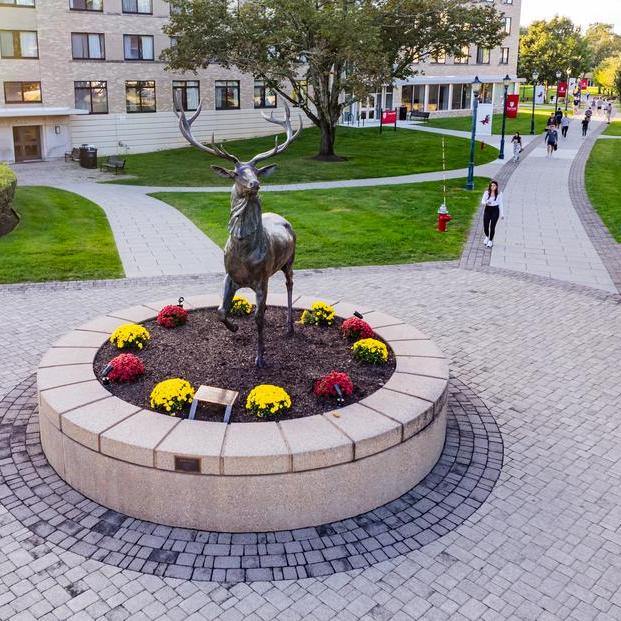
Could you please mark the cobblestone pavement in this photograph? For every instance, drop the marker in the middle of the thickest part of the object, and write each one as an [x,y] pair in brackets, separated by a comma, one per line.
[546,544]
[542,233]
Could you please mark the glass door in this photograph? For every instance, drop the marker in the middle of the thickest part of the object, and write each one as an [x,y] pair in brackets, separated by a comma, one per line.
[27,142]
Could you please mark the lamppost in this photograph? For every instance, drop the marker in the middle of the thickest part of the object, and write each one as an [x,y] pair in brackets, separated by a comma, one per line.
[558,79]
[506,81]
[476,89]
[567,91]
[532,116]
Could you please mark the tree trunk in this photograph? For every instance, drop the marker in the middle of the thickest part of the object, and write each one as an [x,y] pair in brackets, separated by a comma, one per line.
[326,149]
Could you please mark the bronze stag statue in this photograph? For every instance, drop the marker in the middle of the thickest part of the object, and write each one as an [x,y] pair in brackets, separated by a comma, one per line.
[259,244]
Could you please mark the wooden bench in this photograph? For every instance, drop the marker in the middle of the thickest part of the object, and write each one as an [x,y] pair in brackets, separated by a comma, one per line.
[73,155]
[113,163]
[419,114]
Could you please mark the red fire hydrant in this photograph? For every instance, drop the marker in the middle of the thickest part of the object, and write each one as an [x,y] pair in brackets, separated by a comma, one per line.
[443,218]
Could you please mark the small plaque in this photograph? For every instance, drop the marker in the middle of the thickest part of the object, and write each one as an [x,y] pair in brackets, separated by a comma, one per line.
[187,464]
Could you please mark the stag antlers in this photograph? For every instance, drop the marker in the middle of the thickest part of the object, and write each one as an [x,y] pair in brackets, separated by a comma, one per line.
[185,126]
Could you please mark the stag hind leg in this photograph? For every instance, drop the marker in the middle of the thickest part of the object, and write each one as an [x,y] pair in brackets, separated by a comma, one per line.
[288,271]
[259,316]
[230,287]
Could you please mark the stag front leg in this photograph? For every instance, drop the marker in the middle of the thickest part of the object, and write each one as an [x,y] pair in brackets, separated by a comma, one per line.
[227,299]
[259,315]
[288,270]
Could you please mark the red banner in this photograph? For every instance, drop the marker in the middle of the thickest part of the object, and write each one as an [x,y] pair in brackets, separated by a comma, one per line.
[561,89]
[389,117]
[513,103]
[584,84]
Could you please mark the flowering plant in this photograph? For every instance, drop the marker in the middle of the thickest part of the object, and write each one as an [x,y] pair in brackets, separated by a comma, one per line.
[267,399]
[240,306]
[371,351]
[325,386]
[172,395]
[130,335]
[172,316]
[320,314]
[354,329]
[125,368]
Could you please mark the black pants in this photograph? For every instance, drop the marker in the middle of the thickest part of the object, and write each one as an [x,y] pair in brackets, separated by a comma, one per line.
[584,129]
[490,218]
[564,131]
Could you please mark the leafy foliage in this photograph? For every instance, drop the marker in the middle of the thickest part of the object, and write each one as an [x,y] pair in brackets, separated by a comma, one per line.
[606,72]
[603,42]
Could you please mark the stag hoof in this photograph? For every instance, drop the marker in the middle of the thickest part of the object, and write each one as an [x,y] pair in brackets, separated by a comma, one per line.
[289,332]
[233,327]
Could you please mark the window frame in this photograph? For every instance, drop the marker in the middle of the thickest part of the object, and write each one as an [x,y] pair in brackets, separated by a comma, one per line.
[141,59]
[18,6]
[136,12]
[14,32]
[86,9]
[90,89]
[462,59]
[21,83]
[508,24]
[504,55]
[102,41]
[262,97]
[176,85]
[141,111]
[226,84]
[483,52]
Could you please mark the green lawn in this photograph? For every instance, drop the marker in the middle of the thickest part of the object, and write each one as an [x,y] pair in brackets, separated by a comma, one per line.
[602,181]
[369,155]
[354,226]
[614,129]
[61,236]
[521,124]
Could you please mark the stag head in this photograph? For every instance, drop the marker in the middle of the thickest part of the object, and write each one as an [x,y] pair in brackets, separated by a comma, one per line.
[246,175]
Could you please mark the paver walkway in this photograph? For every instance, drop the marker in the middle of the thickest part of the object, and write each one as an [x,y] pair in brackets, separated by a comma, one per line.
[542,233]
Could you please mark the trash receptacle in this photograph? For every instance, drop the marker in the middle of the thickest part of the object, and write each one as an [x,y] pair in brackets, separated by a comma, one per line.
[88,156]
[403,113]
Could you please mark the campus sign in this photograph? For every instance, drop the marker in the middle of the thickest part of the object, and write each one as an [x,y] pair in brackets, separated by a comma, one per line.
[513,103]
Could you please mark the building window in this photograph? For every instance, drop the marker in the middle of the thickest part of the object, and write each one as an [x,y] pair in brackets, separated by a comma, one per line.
[22,92]
[504,55]
[138,47]
[88,45]
[227,94]
[19,44]
[91,96]
[299,95]
[264,97]
[463,57]
[438,97]
[144,7]
[189,91]
[86,5]
[482,55]
[461,96]
[388,98]
[487,93]
[507,25]
[413,96]
[17,3]
[507,1]
[439,58]
[140,95]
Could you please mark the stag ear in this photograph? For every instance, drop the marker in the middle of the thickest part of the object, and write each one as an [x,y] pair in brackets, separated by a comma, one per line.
[266,171]
[223,172]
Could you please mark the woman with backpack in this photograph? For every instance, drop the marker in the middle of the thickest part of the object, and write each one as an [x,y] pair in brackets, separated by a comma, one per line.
[551,139]
[493,209]
[516,141]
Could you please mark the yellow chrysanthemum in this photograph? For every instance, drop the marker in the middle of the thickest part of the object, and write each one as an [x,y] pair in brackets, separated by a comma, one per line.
[241,306]
[319,314]
[268,399]
[172,395]
[371,351]
[130,335]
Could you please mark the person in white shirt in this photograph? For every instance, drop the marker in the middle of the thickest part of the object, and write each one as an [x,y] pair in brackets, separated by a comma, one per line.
[493,209]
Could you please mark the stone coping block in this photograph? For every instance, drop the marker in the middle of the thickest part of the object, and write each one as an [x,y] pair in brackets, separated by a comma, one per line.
[75,405]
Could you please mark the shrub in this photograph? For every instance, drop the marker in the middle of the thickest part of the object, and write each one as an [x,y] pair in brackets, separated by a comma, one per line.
[267,399]
[354,329]
[125,368]
[172,316]
[371,351]
[319,314]
[325,386]
[130,335]
[8,183]
[172,395]
[240,306]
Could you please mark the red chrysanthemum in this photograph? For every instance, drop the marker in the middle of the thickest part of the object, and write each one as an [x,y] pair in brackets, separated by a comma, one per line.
[172,316]
[324,386]
[355,329]
[125,368]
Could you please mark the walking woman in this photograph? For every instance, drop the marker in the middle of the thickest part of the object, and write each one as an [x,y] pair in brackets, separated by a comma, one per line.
[551,137]
[492,203]
[516,141]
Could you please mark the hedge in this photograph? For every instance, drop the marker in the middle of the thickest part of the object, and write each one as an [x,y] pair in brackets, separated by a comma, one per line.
[8,183]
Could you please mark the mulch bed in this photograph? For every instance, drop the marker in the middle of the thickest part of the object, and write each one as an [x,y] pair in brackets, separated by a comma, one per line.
[204,352]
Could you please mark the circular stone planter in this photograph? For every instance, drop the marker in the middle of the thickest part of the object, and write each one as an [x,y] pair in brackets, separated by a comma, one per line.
[242,477]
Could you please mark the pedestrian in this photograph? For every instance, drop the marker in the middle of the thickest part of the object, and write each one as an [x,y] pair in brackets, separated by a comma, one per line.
[588,113]
[551,139]
[516,141]
[564,125]
[608,111]
[493,209]
[599,107]
[558,117]
[585,124]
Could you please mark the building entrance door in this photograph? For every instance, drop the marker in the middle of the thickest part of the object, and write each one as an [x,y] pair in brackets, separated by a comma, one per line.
[27,142]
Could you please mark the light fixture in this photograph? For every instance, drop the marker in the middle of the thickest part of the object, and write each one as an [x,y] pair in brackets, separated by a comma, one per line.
[57,129]
[507,80]
[535,75]
[558,75]
[476,86]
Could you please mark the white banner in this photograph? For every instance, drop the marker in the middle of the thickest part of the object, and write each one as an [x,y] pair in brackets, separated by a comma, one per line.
[539,94]
[485,116]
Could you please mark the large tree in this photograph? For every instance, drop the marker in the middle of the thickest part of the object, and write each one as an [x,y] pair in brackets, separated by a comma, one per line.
[603,42]
[551,46]
[323,54]
[605,73]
